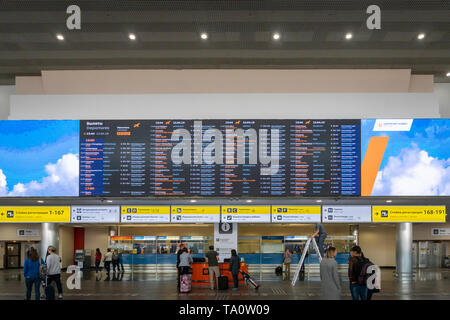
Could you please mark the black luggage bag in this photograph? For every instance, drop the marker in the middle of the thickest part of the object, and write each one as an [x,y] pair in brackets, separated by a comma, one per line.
[223,283]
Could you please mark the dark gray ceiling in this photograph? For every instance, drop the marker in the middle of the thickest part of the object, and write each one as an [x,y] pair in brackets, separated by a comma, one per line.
[312,35]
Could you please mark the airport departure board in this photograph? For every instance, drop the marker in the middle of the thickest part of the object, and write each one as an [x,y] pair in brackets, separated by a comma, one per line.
[231,158]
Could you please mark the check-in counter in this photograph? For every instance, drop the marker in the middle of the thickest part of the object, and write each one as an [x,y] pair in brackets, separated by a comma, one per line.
[200,273]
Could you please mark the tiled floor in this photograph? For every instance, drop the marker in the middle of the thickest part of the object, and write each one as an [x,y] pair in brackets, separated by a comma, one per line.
[428,284]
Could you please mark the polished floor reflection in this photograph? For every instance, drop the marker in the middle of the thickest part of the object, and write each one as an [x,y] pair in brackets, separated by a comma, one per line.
[427,284]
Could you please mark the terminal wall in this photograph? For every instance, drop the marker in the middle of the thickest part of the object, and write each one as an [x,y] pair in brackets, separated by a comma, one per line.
[66,249]
[378,243]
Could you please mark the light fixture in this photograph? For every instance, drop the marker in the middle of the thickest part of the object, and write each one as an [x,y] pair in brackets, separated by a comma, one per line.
[110,201]
[276,36]
[421,36]
[348,36]
[448,74]
[193,200]
[204,36]
[248,201]
[40,201]
[388,201]
[131,36]
[318,201]
[60,37]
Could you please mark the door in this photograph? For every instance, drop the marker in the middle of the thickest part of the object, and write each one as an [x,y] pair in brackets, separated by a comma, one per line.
[12,255]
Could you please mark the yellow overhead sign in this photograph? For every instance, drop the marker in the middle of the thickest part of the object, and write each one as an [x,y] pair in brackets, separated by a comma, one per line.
[408,213]
[296,209]
[146,210]
[34,214]
[195,209]
[246,210]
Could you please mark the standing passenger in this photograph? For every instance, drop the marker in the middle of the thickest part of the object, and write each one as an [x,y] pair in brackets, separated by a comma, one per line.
[355,264]
[287,259]
[53,262]
[107,260]
[115,260]
[98,259]
[212,258]
[331,284]
[32,274]
[235,268]
[179,252]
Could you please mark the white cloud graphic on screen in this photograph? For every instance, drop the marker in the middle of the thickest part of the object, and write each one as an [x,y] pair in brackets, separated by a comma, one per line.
[3,189]
[62,180]
[413,173]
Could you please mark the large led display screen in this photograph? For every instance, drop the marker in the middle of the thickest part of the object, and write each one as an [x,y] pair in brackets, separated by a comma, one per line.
[176,158]
[405,157]
[39,158]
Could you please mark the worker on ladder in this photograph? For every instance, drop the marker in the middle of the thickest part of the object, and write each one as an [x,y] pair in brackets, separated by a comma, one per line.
[320,235]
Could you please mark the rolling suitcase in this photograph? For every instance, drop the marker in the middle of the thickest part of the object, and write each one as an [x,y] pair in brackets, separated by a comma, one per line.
[250,280]
[186,283]
[223,283]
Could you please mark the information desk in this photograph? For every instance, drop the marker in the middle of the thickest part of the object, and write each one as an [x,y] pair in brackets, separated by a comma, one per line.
[200,273]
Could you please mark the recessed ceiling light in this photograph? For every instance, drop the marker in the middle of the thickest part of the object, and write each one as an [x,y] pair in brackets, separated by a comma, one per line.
[318,201]
[40,201]
[204,36]
[448,74]
[348,36]
[421,36]
[132,36]
[109,201]
[60,37]
[193,200]
[276,36]
[248,201]
[388,201]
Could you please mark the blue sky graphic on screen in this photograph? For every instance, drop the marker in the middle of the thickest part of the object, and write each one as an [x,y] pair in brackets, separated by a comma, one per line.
[39,158]
[416,161]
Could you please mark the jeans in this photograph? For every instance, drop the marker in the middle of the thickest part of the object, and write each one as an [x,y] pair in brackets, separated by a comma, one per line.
[97,265]
[57,279]
[358,291]
[108,266]
[320,240]
[236,279]
[29,283]
[115,264]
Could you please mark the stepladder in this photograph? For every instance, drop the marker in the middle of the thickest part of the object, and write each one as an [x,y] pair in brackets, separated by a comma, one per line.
[303,256]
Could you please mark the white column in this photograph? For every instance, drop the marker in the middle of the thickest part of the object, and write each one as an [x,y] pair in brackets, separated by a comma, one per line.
[49,237]
[404,251]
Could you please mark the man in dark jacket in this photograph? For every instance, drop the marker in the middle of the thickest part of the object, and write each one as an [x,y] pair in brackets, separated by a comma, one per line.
[355,264]
[235,267]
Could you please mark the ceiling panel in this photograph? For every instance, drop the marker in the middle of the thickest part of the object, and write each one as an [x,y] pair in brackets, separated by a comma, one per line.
[240,35]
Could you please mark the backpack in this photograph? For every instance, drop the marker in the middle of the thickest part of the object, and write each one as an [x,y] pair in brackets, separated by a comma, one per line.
[363,275]
[42,269]
[279,271]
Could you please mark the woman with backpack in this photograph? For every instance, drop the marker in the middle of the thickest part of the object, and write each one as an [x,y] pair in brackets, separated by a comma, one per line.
[355,266]
[287,259]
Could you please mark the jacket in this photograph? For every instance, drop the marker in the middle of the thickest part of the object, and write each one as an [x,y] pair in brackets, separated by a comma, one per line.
[354,269]
[330,281]
[235,264]
[31,269]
